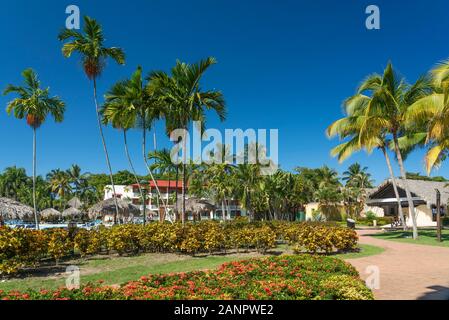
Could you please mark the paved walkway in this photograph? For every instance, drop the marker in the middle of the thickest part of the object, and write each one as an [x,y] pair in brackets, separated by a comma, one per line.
[407,271]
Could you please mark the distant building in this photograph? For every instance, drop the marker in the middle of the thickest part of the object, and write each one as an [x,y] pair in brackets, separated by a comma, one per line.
[154,205]
[382,200]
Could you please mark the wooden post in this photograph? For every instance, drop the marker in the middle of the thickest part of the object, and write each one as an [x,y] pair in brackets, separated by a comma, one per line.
[438,215]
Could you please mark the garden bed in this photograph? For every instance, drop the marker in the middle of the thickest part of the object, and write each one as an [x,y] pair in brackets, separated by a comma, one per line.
[299,277]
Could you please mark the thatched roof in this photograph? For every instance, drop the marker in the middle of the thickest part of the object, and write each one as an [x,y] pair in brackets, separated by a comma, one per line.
[75,202]
[72,213]
[50,213]
[419,188]
[196,205]
[107,207]
[13,210]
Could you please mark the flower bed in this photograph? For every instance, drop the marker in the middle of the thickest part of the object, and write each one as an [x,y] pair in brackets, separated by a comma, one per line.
[20,248]
[276,278]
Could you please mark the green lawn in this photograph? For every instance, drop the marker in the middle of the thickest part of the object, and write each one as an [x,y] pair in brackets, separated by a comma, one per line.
[426,237]
[117,270]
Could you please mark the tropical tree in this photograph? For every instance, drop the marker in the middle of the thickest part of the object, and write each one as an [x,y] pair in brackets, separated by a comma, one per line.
[90,46]
[432,112]
[357,177]
[185,101]
[60,184]
[11,181]
[34,104]
[382,102]
[119,110]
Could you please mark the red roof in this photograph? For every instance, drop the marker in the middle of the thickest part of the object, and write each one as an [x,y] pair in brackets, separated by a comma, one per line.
[164,184]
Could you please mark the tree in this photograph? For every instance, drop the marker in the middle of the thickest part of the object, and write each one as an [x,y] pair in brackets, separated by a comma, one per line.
[185,100]
[90,46]
[60,184]
[120,111]
[34,104]
[165,166]
[376,119]
[357,176]
[432,111]
[11,181]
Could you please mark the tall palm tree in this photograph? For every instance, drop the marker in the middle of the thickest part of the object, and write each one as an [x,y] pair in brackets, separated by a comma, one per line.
[186,101]
[381,104]
[119,110]
[90,46]
[34,104]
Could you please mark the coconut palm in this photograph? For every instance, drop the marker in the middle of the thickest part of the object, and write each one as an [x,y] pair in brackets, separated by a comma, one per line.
[60,184]
[186,101]
[357,176]
[90,46]
[432,111]
[378,110]
[34,104]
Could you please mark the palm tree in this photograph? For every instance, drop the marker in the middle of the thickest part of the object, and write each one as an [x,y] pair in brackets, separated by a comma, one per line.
[119,110]
[11,181]
[378,110]
[90,46]
[247,176]
[186,101]
[34,104]
[164,164]
[432,111]
[60,184]
[357,176]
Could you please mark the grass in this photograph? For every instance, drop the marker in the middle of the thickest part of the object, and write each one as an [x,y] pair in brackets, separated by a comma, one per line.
[117,270]
[366,250]
[426,237]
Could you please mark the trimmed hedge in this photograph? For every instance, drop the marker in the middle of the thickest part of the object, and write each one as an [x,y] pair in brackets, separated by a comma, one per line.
[275,278]
[21,248]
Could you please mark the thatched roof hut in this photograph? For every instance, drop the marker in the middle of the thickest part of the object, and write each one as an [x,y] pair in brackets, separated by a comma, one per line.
[72,213]
[196,205]
[107,207]
[14,210]
[50,214]
[75,202]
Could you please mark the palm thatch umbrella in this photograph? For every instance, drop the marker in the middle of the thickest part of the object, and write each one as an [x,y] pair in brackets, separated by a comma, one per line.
[197,205]
[14,210]
[72,213]
[75,202]
[50,214]
[107,208]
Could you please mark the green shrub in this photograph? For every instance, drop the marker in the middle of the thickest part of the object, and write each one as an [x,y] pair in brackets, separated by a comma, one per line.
[344,287]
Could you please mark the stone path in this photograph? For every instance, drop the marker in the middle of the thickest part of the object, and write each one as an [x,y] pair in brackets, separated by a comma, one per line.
[407,271]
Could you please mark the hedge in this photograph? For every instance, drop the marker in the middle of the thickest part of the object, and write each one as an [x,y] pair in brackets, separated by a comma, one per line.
[22,248]
[275,278]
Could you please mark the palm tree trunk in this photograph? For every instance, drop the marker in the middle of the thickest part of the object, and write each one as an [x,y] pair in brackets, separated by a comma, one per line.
[411,206]
[144,151]
[103,141]
[395,187]
[184,166]
[177,186]
[125,140]
[223,210]
[36,220]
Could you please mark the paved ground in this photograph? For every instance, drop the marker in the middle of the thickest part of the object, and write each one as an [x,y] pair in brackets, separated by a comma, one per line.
[407,271]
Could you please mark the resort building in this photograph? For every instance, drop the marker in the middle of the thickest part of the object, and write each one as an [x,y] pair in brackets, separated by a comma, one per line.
[382,200]
[155,207]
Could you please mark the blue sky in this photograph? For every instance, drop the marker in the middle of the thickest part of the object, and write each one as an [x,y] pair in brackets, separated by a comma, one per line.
[283,65]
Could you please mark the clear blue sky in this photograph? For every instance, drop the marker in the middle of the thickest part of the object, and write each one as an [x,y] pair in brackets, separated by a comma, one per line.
[282,64]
